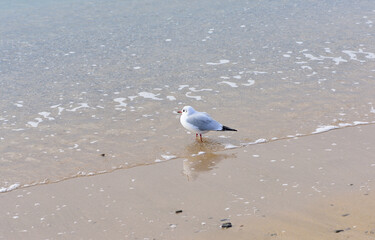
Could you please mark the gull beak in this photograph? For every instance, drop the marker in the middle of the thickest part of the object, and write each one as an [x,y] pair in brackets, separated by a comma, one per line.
[179,112]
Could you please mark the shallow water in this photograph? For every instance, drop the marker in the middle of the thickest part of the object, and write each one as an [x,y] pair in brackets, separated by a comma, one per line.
[80,79]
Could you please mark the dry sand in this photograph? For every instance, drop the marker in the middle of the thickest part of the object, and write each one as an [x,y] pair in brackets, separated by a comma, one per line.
[303,188]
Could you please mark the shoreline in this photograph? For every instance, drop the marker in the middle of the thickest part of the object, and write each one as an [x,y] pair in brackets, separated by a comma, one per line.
[282,189]
[228,146]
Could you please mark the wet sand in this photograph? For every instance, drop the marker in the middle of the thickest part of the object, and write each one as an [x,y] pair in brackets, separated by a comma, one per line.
[302,188]
[81,78]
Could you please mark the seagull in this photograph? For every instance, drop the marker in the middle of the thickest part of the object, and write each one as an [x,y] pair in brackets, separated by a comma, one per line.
[200,122]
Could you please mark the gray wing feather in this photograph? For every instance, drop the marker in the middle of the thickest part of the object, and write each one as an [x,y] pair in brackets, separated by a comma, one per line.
[203,121]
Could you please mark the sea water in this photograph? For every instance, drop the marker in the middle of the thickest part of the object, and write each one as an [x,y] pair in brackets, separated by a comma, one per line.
[88,87]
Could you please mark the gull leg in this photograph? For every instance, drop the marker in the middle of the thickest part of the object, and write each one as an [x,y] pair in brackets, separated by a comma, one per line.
[196,135]
[201,137]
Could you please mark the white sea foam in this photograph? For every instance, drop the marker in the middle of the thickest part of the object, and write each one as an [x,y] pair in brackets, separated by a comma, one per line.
[327,50]
[171,98]
[18,129]
[306,67]
[197,154]
[355,123]
[312,74]
[345,124]
[18,104]
[338,60]
[316,189]
[257,72]
[46,115]
[230,146]
[168,157]
[81,105]
[232,84]
[353,55]
[60,109]
[312,57]
[326,128]
[250,82]
[150,95]
[121,102]
[199,90]
[223,61]
[10,188]
[35,124]
[180,87]
[55,106]
[198,98]
[132,97]
[260,140]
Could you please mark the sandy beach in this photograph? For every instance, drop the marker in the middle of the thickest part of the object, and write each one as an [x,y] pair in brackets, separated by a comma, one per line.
[91,145]
[312,187]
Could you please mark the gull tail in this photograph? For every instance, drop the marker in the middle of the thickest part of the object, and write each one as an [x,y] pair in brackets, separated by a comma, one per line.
[225,128]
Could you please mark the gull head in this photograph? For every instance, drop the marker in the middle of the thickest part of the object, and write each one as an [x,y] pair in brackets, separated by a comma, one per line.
[187,110]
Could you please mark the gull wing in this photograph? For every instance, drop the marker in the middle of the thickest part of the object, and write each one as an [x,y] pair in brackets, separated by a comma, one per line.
[203,122]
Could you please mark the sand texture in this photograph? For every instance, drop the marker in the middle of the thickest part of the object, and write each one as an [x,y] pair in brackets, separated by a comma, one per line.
[302,188]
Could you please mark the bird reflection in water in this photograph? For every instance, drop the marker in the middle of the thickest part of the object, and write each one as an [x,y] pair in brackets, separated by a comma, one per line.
[202,157]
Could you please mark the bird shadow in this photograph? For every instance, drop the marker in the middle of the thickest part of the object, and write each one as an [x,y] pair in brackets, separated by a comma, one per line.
[202,157]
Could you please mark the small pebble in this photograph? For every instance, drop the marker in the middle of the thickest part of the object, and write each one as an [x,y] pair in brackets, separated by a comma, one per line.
[178,211]
[103,154]
[226,225]
[338,231]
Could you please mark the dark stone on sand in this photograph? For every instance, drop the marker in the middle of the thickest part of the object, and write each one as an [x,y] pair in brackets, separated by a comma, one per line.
[338,231]
[345,215]
[226,225]
[178,211]
[103,154]
[273,234]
